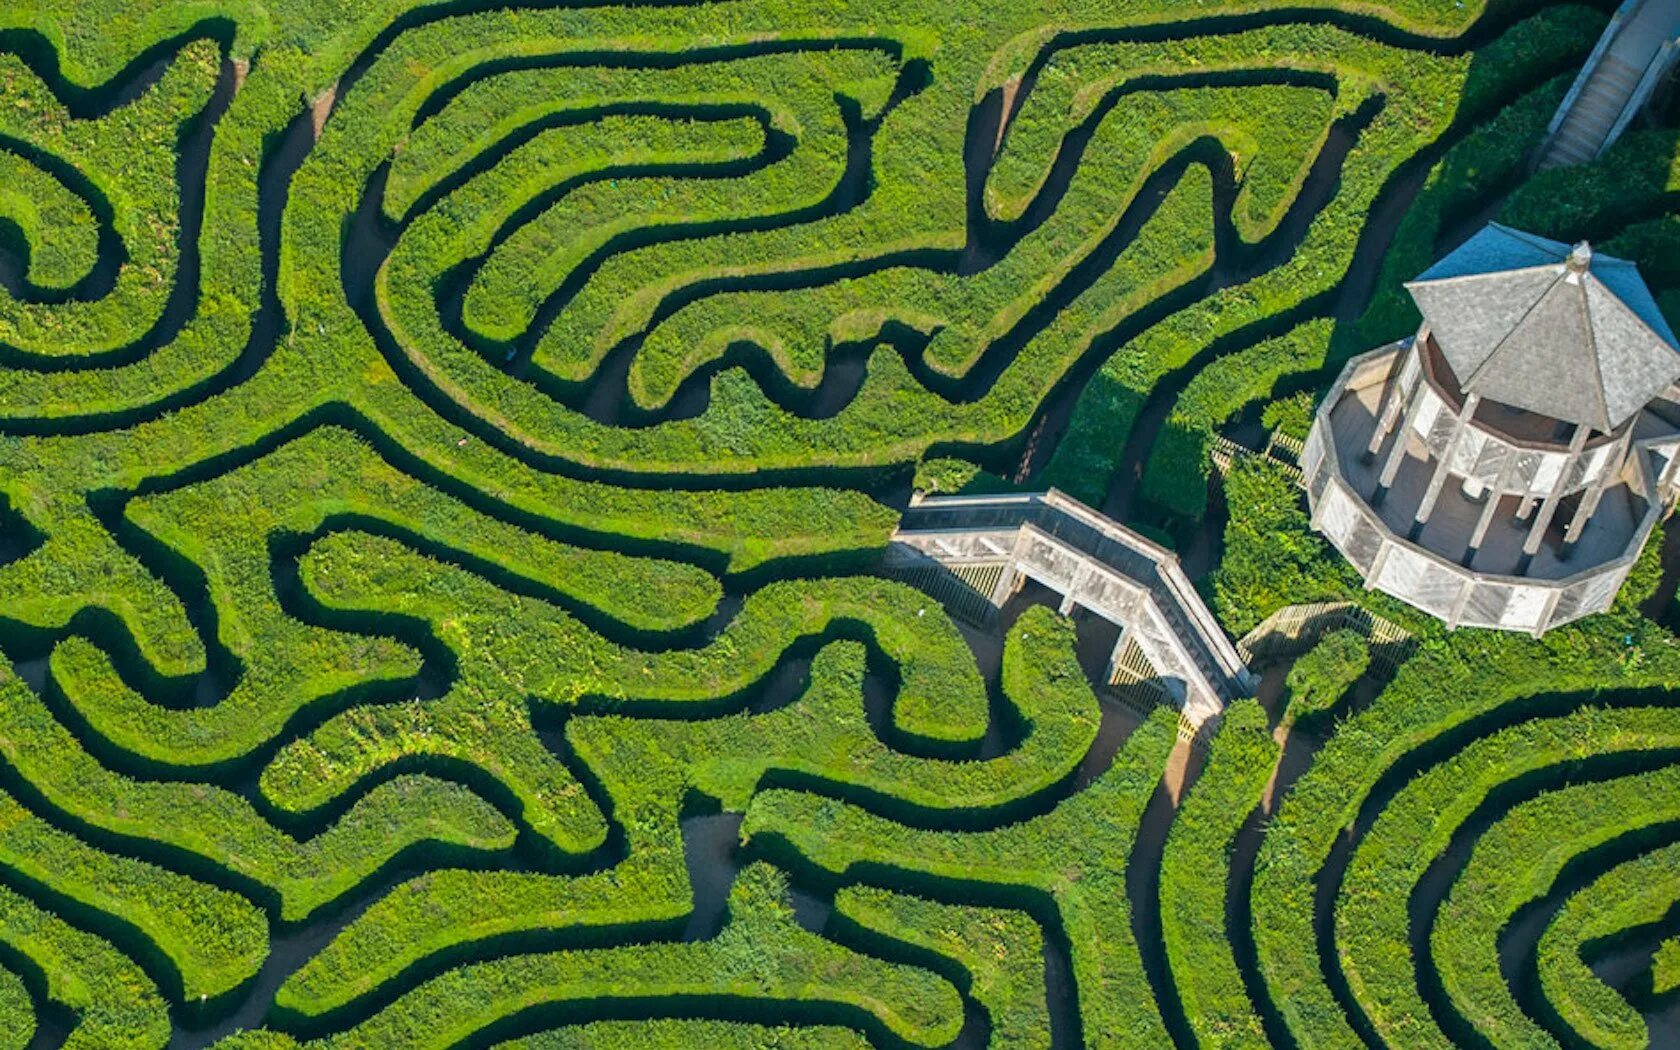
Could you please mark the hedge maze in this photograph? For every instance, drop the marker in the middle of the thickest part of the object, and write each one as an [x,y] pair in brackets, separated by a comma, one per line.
[445,454]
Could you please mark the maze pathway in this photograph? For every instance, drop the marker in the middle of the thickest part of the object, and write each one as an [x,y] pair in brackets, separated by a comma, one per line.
[446,454]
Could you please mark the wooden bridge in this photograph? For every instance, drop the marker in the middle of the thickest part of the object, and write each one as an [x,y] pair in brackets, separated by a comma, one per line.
[994,544]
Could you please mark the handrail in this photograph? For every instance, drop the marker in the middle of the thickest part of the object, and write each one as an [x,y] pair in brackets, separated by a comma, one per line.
[1654,73]
[1652,510]
[1060,518]
[1587,71]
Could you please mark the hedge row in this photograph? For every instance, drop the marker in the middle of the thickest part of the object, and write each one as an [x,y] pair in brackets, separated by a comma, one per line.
[1421,99]
[1000,953]
[965,316]
[94,39]
[742,416]
[1373,902]
[1665,967]
[1272,556]
[1075,856]
[1637,893]
[1175,476]
[127,156]
[116,1006]
[1196,875]
[1635,179]
[17,1013]
[755,408]
[1451,680]
[681,1035]
[79,565]
[55,231]
[225,829]
[1516,862]
[647,769]
[762,956]
[213,939]
[227,284]
[826,737]
[1318,681]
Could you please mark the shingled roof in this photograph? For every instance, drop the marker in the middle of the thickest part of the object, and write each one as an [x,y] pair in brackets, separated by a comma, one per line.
[1539,325]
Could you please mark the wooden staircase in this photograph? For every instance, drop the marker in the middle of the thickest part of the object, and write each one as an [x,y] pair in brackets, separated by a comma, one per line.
[1640,44]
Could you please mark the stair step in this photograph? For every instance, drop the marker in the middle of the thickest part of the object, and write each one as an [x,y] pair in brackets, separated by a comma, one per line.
[1602,93]
[1592,136]
[1576,149]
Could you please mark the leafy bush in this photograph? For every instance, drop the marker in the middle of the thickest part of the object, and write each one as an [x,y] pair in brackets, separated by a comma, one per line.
[1638,893]
[1272,556]
[1196,874]
[1320,678]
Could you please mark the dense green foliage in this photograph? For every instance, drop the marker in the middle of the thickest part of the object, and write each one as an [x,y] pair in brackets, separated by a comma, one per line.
[1628,896]
[446,453]
[1195,874]
[1320,678]
[1665,967]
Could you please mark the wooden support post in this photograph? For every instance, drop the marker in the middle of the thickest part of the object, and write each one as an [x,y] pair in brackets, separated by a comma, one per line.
[1397,451]
[1543,519]
[1443,466]
[1397,394]
[1114,656]
[1495,496]
[1005,585]
[1595,491]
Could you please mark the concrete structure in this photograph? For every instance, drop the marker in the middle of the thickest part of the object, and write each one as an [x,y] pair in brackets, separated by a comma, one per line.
[1639,47]
[1505,467]
[1094,563]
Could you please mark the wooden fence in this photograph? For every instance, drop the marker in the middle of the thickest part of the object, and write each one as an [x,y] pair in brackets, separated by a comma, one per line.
[1295,629]
[1281,449]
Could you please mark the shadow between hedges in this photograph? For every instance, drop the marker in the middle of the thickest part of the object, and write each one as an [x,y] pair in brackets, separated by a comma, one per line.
[1436,881]
[192,164]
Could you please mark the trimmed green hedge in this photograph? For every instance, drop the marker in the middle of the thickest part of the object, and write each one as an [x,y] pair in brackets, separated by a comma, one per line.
[1272,556]
[1517,861]
[17,1013]
[1324,674]
[1075,856]
[1665,967]
[224,828]
[116,1006]
[54,226]
[1452,679]
[648,769]
[1196,874]
[1372,914]
[1175,476]
[1637,893]
[683,1035]
[127,156]
[761,955]
[1000,952]
[1416,112]
[213,939]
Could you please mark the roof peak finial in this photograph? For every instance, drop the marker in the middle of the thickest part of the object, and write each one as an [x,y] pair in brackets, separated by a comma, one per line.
[1580,259]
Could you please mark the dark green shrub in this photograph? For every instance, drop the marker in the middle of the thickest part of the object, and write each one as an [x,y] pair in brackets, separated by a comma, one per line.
[1323,675]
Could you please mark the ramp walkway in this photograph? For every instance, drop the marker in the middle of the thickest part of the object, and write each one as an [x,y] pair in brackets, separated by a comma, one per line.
[999,542]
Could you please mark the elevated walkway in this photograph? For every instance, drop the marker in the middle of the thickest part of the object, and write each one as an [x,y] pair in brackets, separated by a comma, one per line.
[1637,49]
[999,542]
